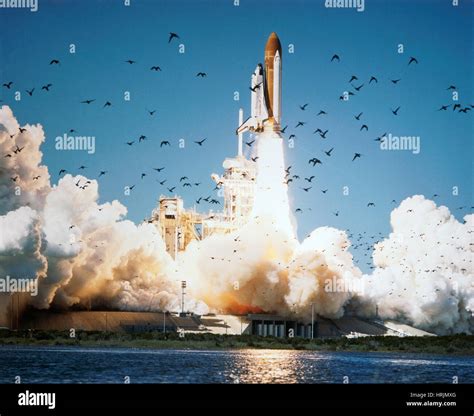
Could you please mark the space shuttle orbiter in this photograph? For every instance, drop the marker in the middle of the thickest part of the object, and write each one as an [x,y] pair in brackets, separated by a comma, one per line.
[266,91]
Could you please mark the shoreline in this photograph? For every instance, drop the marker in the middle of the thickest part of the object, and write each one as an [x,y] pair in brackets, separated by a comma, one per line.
[451,345]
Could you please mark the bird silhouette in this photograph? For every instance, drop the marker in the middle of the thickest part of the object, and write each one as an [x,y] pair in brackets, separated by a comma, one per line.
[395,81]
[364,126]
[356,155]
[8,84]
[159,169]
[173,36]
[130,61]
[200,142]
[335,57]
[155,68]
[395,112]
[171,189]
[353,78]
[46,87]
[256,87]
[328,153]
[372,78]
[303,107]
[201,74]
[87,101]
[357,117]
[30,92]
[165,143]
[300,123]
[54,62]
[412,60]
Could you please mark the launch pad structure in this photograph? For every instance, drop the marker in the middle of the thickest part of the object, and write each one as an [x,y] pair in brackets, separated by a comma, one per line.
[179,226]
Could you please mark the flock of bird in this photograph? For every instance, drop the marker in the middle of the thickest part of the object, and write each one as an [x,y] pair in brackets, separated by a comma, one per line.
[355,85]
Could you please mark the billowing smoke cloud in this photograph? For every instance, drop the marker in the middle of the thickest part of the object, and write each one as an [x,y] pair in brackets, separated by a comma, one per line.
[81,252]
[86,253]
[424,269]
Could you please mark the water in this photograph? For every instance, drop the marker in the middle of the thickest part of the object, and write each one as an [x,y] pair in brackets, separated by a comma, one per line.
[95,365]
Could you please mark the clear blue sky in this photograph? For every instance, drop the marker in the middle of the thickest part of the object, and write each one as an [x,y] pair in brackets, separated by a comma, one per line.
[227,42]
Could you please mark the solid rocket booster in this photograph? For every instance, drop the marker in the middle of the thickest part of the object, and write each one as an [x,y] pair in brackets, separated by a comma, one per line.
[266,91]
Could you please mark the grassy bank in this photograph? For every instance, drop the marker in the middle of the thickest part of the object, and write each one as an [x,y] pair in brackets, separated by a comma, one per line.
[453,344]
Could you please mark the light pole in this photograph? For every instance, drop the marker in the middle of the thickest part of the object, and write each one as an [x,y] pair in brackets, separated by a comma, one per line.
[312,320]
[183,286]
[164,322]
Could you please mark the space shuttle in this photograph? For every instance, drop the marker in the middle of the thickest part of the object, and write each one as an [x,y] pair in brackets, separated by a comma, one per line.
[265,92]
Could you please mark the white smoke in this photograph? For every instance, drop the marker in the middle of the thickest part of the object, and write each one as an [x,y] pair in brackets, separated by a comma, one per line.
[424,269]
[80,252]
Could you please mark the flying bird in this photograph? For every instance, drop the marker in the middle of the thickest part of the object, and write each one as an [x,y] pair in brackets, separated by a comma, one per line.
[87,101]
[131,62]
[335,57]
[395,112]
[256,87]
[107,104]
[364,126]
[412,60]
[303,107]
[372,78]
[356,155]
[357,117]
[165,143]
[46,87]
[155,68]
[328,153]
[54,62]
[395,81]
[300,123]
[201,74]
[159,169]
[200,142]
[173,36]
[30,92]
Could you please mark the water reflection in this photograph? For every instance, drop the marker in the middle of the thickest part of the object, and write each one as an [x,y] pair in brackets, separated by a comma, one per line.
[269,366]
